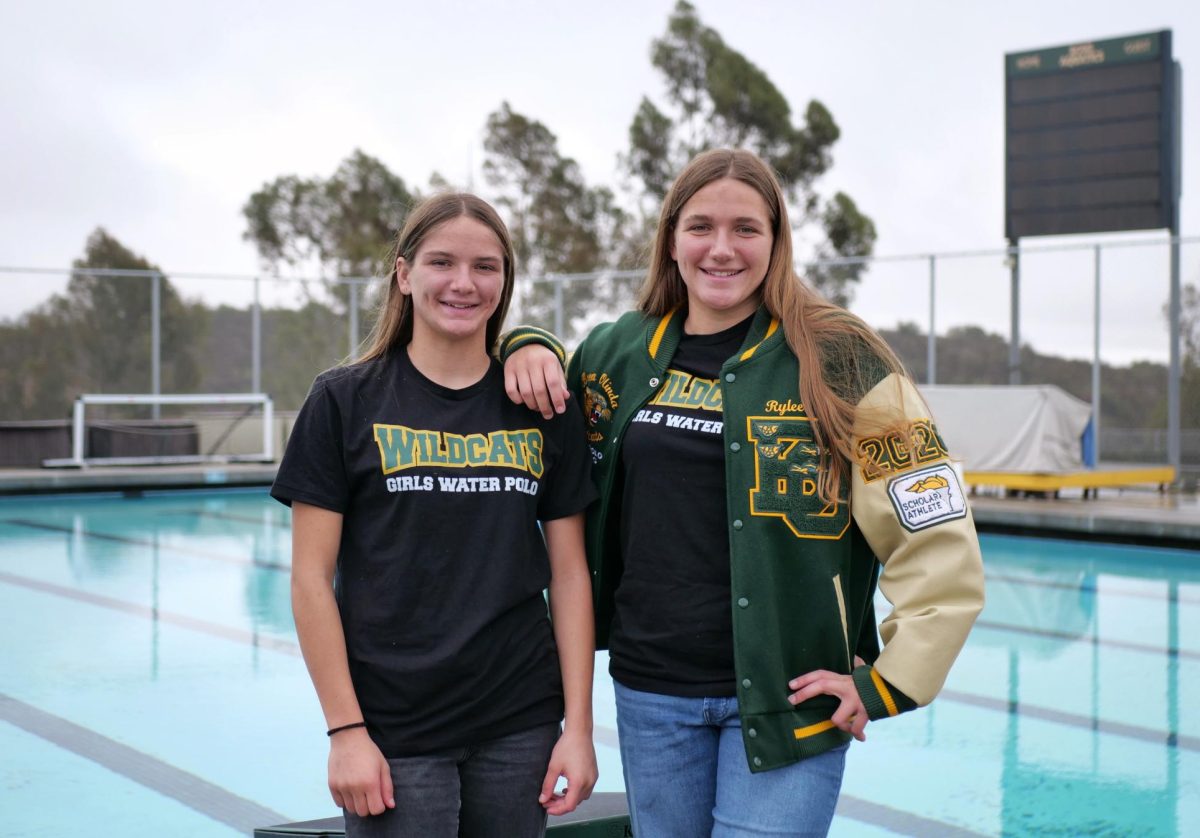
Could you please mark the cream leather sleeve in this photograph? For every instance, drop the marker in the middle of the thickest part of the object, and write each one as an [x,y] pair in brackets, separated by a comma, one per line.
[909,503]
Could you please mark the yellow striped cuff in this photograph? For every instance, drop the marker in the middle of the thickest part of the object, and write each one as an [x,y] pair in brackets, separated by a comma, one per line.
[884,693]
[813,729]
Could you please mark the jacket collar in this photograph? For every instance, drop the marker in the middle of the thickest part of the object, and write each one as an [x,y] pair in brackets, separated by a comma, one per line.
[663,334]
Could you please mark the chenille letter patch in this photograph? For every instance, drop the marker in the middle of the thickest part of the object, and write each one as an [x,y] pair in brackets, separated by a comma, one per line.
[927,496]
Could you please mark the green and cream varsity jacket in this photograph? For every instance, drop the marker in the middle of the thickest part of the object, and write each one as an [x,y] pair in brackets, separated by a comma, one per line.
[802,571]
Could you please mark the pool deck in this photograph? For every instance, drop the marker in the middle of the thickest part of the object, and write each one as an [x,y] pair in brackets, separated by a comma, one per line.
[1142,515]
[33,481]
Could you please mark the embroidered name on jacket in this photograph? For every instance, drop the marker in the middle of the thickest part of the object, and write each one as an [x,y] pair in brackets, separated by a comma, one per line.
[401,447]
[786,462]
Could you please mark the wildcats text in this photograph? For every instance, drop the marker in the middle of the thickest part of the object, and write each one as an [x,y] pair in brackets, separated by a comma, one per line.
[401,447]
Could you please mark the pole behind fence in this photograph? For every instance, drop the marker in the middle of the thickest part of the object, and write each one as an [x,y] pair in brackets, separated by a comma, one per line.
[1174,450]
[256,341]
[1096,358]
[1014,341]
[353,325]
[558,307]
[156,341]
[931,344]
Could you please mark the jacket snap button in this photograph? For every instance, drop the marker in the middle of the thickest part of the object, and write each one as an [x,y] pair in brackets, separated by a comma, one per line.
[737,525]
[752,732]
[746,683]
[757,761]
[654,382]
[730,377]
[743,602]
[735,447]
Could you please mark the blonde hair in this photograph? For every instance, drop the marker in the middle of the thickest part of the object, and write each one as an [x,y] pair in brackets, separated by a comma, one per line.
[394,320]
[840,356]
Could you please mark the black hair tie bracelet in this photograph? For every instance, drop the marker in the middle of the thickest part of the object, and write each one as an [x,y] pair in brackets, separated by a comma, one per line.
[332,731]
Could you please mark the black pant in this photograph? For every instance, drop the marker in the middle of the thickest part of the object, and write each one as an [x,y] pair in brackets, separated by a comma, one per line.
[489,790]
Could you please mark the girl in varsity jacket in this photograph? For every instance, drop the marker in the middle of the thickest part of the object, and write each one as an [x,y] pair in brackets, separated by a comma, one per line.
[763,461]
[418,564]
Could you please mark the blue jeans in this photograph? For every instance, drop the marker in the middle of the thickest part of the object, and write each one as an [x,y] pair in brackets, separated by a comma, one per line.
[686,774]
[478,791]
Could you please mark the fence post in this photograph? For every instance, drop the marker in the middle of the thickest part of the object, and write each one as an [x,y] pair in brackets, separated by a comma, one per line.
[558,308]
[1174,449]
[353,327]
[1014,341]
[256,341]
[931,346]
[77,432]
[1096,359]
[156,342]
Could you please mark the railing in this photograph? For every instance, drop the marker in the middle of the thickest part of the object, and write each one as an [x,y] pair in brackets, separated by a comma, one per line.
[1062,288]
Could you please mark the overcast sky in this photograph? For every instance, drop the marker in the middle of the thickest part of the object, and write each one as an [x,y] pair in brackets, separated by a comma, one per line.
[157,121]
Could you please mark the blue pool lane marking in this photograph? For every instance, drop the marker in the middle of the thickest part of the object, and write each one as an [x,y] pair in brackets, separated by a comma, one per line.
[1124,645]
[1171,739]
[244,815]
[1085,587]
[222,516]
[276,644]
[895,820]
[194,792]
[1185,654]
[147,542]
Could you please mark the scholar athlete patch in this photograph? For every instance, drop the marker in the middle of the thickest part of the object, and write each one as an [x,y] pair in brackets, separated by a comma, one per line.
[927,496]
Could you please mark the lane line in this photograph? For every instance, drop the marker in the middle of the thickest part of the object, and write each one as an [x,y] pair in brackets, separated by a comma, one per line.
[905,823]
[146,542]
[1126,645]
[1171,739]
[1090,588]
[192,791]
[897,820]
[249,638]
[223,516]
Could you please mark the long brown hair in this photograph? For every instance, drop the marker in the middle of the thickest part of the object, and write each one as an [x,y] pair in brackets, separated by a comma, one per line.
[394,320]
[840,356]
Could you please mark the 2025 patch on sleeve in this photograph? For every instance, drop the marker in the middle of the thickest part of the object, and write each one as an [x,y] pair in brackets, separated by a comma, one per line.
[927,496]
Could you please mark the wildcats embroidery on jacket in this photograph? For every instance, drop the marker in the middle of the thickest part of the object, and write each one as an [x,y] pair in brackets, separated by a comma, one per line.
[786,463]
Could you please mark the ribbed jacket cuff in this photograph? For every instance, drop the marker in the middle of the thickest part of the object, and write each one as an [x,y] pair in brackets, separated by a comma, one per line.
[879,697]
[522,335]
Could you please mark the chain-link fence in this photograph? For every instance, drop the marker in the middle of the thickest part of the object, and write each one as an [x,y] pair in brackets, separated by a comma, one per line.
[1093,320]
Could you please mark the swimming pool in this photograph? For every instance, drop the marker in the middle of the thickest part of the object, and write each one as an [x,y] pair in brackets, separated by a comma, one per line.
[151,685]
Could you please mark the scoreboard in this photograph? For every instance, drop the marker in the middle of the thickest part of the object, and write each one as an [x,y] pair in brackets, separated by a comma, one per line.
[1092,137]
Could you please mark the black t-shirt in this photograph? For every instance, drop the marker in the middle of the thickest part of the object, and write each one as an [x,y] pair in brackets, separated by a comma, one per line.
[442,566]
[672,633]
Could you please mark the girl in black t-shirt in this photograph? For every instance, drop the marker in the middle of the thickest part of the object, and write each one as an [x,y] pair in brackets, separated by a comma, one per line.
[418,564]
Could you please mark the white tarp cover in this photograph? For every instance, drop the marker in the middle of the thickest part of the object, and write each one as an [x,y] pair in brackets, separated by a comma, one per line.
[1016,428]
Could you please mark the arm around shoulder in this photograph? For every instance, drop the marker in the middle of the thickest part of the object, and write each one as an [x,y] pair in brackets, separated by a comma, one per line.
[533,370]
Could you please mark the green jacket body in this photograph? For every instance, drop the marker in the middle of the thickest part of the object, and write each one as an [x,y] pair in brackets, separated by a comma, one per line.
[803,572]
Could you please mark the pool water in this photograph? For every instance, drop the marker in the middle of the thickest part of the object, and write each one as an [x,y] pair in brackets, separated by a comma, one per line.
[151,685]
